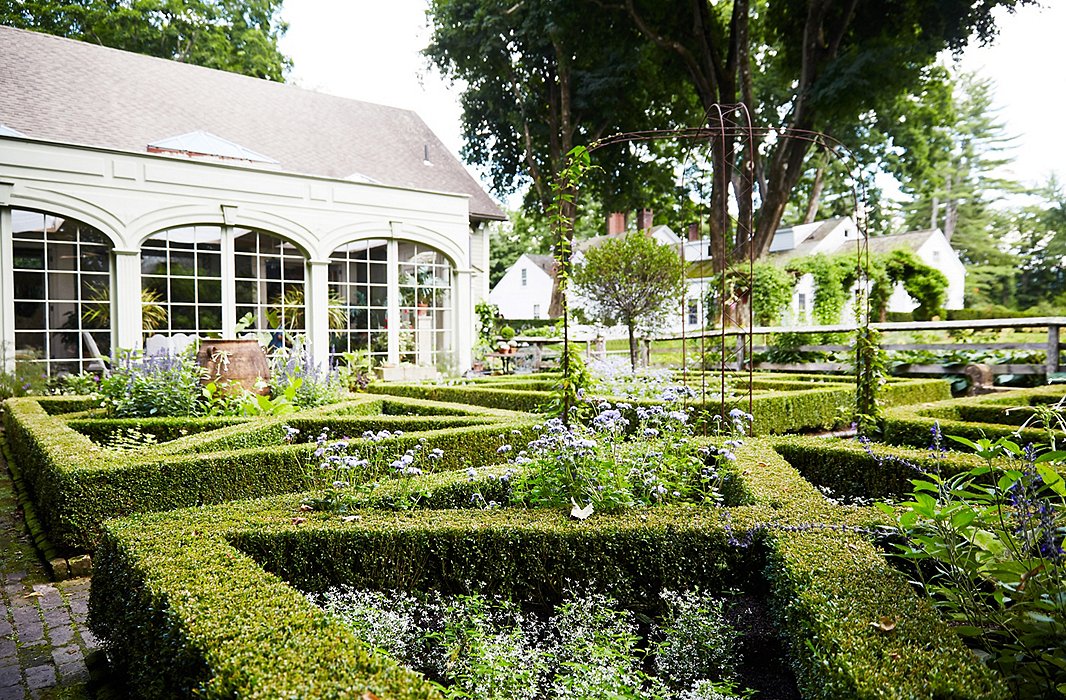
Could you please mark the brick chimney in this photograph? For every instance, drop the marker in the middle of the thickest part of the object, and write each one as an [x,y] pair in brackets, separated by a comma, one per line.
[644,219]
[694,231]
[616,223]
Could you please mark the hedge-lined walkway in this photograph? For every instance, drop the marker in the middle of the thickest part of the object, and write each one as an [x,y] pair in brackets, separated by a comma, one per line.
[44,641]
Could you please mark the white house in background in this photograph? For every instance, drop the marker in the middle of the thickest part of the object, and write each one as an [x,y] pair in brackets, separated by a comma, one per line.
[933,248]
[221,195]
[525,290]
[840,236]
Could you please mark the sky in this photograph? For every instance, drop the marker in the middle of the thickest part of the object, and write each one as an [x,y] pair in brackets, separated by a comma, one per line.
[370,50]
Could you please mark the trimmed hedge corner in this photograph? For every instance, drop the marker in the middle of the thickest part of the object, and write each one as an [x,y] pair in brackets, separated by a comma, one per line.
[992,416]
[77,484]
[195,601]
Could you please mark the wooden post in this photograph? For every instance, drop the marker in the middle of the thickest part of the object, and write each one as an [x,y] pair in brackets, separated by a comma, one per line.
[1052,350]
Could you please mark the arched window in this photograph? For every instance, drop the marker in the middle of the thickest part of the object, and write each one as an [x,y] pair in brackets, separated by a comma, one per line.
[404,286]
[194,286]
[181,281]
[269,276]
[425,287]
[358,285]
[62,292]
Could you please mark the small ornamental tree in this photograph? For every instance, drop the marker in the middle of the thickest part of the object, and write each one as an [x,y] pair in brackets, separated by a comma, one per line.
[632,280]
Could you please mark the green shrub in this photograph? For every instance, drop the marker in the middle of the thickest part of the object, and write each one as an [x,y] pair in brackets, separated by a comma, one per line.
[823,405]
[992,416]
[186,601]
[77,483]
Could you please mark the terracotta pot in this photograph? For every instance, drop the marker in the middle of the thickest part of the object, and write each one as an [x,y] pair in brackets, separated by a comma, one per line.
[234,362]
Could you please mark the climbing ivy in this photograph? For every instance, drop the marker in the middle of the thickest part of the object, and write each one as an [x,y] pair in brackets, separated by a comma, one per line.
[833,279]
[870,371]
[562,214]
[927,285]
[771,292]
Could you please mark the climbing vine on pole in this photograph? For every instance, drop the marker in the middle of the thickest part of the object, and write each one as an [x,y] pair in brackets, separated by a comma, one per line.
[562,215]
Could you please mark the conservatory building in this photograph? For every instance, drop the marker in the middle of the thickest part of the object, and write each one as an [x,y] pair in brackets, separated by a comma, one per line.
[145,203]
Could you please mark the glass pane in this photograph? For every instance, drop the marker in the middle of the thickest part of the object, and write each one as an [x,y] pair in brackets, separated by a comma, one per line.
[209,291]
[182,318]
[211,317]
[209,264]
[28,256]
[29,315]
[182,263]
[182,291]
[244,266]
[62,286]
[64,315]
[30,345]
[95,259]
[29,285]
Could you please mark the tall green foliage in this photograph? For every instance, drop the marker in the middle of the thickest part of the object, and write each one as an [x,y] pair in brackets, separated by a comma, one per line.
[769,295]
[541,77]
[240,36]
[949,148]
[833,277]
[545,76]
[1042,247]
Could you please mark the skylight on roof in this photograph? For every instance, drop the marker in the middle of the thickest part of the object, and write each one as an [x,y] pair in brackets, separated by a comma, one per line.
[359,177]
[202,143]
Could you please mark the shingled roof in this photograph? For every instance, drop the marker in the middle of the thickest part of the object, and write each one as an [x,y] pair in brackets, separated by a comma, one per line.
[67,91]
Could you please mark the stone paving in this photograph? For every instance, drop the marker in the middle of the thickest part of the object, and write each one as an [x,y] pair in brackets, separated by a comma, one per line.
[44,641]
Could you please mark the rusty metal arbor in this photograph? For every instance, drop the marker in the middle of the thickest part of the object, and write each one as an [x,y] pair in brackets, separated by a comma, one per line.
[728,240]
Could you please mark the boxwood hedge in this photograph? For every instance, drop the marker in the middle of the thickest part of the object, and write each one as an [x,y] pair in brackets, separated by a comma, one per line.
[991,416]
[78,483]
[779,408]
[199,601]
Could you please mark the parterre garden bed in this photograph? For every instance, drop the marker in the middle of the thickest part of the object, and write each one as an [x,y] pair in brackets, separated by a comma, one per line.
[780,403]
[991,415]
[78,481]
[213,600]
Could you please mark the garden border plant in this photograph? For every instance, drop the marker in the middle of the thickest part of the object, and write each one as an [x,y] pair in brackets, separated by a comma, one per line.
[193,599]
[77,484]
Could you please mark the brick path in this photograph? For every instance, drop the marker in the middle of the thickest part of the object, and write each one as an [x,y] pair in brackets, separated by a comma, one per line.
[43,637]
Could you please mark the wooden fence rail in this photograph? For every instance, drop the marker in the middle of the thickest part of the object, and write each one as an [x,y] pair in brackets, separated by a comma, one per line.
[1052,325]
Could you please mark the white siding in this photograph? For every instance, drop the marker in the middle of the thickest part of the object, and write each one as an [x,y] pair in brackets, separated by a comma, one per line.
[517,301]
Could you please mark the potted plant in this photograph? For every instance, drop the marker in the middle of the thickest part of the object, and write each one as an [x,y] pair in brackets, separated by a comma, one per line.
[507,335]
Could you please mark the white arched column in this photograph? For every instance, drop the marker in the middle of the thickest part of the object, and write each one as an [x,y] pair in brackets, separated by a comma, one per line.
[126,299]
[7,287]
[317,309]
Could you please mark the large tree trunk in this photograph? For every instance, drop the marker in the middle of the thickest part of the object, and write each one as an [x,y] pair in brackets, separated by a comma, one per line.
[816,194]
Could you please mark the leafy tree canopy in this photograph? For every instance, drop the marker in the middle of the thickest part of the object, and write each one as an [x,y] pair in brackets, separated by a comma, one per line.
[543,76]
[240,36]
